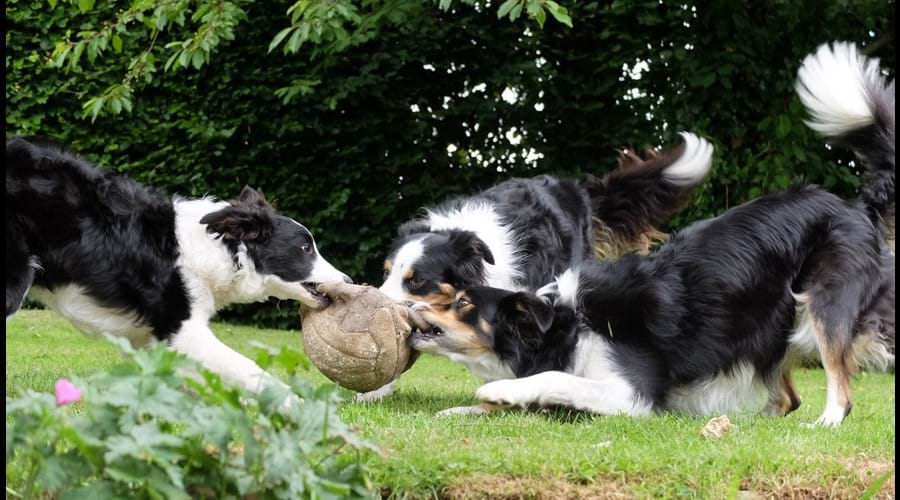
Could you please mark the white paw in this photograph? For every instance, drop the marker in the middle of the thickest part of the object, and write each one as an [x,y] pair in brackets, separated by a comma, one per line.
[462,410]
[831,417]
[507,392]
[376,395]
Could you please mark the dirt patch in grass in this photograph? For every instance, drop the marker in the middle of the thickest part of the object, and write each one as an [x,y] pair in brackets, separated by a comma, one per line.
[863,473]
[515,488]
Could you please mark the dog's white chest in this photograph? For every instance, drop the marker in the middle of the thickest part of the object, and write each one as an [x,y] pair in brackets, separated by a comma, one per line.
[72,303]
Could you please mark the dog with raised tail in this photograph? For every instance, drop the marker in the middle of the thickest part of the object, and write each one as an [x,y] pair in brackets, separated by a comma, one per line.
[521,233]
[715,320]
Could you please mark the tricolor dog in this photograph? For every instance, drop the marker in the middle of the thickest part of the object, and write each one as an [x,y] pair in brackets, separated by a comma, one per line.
[715,320]
[521,233]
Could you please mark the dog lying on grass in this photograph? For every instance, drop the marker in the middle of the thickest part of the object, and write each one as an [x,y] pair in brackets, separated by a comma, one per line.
[715,320]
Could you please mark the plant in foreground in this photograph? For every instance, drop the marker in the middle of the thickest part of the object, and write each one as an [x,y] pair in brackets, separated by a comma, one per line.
[159,426]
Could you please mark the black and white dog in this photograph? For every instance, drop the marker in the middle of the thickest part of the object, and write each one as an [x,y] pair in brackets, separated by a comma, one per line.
[520,234]
[117,258]
[715,320]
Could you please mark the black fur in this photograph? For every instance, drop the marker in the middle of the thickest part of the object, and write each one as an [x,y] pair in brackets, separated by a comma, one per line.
[69,222]
[551,222]
[719,293]
[88,226]
[729,291]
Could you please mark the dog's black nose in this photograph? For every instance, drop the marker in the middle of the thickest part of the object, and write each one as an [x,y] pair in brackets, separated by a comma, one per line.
[348,280]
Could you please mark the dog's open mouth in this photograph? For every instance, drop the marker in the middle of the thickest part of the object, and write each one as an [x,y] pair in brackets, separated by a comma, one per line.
[428,333]
[313,289]
[421,328]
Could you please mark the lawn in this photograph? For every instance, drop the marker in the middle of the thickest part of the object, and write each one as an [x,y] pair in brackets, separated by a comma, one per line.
[549,455]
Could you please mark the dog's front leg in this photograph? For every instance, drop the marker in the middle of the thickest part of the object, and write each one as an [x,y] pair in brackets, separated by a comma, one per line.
[195,340]
[608,396]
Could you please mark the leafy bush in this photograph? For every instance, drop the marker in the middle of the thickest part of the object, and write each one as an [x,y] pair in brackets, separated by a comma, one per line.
[418,106]
[150,427]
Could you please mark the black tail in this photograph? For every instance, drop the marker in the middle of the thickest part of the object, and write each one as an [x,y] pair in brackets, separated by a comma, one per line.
[632,201]
[852,104]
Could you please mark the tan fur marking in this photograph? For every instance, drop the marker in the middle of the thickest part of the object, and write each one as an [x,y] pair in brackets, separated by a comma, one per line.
[443,297]
[408,274]
[610,245]
[836,363]
[790,400]
[783,398]
[447,289]
[465,339]
[388,265]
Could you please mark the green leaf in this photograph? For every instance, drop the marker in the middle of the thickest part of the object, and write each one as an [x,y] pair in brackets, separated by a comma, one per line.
[506,7]
[76,55]
[540,16]
[197,59]
[783,128]
[876,486]
[559,12]
[92,52]
[85,5]
[294,42]
[117,43]
[171,61]
[60,58]
[95,105]
[280,37]
[444,5]
[516,11]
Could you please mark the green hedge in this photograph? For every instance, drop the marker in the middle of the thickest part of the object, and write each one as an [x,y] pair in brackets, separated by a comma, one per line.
[352,159]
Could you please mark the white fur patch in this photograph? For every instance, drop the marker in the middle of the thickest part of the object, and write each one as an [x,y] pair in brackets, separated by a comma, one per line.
[377,394]
[481,219]
[72,303]
[740,391]
[593,360]
[485,366]
[211,277]
[406,257]
[832,85]
[195,340]
[567,287]
[610,395]
[35,264]
[872,353]
[694,163]
[462,410]
[803,340]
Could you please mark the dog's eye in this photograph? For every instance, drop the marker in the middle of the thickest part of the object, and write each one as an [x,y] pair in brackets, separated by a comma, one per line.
[462,303]
[416,282]
[307,248]
[384,277]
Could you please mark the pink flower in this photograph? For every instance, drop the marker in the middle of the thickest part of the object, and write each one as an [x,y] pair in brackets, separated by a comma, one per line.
[66,392]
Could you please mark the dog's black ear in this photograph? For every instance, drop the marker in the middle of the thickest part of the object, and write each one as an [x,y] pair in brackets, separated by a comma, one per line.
[252,197]
[412,227]
[527,315]
[467,245]
[240,222]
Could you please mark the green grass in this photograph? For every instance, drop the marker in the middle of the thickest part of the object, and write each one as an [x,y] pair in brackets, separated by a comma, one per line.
[555,454]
